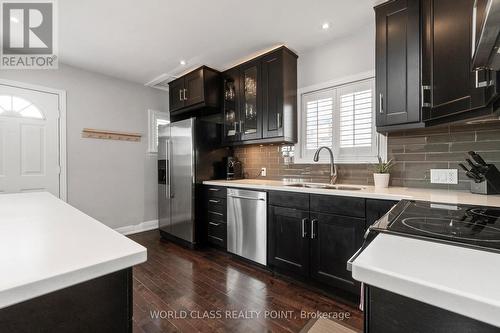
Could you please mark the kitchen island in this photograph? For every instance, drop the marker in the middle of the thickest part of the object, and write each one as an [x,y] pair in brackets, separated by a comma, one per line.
[62,271]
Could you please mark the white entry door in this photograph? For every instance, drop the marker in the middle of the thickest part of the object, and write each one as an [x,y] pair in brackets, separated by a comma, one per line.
[29,140]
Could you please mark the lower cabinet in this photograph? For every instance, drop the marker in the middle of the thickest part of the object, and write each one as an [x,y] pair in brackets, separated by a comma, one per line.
[288,242]
[214,211]
[334,240]
[313,238]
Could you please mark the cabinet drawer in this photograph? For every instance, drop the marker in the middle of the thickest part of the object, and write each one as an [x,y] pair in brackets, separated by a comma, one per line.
[339,205]
[289,199]
[217,233]
[216,216]
[216,192]
[217,205]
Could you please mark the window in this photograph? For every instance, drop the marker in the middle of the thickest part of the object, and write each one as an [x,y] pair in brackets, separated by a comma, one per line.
[13,106]
[342,118]
[155,118]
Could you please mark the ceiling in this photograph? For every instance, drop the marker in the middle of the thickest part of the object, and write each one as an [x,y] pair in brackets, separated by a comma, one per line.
[141,40]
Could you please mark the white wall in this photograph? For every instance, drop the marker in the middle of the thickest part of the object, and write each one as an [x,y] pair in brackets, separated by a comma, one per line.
[112,181]
[342,58]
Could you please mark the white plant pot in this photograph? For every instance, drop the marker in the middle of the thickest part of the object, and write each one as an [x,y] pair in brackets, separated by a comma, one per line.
[381,180]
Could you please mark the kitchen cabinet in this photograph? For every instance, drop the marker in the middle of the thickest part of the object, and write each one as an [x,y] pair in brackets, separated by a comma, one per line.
[288,246]
[334,239]
[250,101]
[397,49]
[311,237]
[375,209]
[448,82]
[423,64]
[214,203]
[197,89]
[231,105]
[260,100]
[388,312]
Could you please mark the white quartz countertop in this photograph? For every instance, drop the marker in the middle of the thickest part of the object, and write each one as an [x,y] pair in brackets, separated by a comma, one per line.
[454,278]
[47,245]
[391,193]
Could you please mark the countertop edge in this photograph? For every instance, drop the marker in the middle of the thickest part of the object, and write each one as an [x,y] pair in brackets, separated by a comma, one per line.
[344,193]
[454,300]
[42,287]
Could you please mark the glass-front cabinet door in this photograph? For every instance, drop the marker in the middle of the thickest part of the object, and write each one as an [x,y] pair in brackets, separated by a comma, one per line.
[231,106]
[250,106]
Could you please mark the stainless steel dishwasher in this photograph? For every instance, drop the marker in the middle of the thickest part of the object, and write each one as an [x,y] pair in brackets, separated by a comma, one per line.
[247,224]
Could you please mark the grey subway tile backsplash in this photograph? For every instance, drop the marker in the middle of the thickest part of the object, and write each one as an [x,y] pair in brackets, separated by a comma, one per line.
[414,151]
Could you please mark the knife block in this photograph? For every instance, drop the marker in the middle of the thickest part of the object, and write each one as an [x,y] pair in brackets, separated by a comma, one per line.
[491,184]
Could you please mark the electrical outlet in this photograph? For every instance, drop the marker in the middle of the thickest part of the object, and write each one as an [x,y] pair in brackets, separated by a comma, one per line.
[263,172]
[444,176]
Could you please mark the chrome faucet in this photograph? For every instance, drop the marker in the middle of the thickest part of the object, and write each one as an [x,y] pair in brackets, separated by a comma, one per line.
[333,167]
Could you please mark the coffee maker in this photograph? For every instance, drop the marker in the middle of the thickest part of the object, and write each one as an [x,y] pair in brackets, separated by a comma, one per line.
[233,168]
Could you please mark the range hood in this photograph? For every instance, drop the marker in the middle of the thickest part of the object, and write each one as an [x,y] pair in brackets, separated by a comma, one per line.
[486,35]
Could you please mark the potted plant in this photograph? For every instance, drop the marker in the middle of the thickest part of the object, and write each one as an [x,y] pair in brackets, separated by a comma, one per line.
[382,174]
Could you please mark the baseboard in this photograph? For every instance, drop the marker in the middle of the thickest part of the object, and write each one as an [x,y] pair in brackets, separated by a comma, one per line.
[141,227]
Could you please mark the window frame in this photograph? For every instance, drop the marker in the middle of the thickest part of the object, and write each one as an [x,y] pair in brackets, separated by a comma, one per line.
[342,155]
[153,117]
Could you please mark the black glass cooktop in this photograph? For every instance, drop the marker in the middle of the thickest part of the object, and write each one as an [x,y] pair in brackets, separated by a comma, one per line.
[474,226]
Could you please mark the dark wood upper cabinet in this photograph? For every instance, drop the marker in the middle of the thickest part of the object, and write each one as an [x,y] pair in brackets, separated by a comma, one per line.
[193,83]
[250,101]
[423,64]
[266,93]
[398,63]
[176,94]
[231,105]
[196,90]
[446,59]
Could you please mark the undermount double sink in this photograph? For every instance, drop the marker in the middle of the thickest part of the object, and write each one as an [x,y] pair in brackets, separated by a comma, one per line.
[327,186]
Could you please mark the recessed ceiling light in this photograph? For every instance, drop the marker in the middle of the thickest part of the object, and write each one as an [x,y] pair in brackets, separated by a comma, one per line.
[325,26]
[183,62]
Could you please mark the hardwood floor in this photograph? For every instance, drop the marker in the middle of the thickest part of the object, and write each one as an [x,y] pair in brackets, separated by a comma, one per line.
[209,291]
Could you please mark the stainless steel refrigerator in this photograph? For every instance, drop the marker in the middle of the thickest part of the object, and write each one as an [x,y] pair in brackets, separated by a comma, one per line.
[188,154]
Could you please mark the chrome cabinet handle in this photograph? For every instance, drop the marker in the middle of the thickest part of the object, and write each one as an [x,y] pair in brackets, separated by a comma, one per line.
[180,95]
[422,96]
[185,98]
[214,189]
[381,103]
[278,120]
[304,232]
[313,234]
[241,126]
[216,213]
[214,224]
[214,201]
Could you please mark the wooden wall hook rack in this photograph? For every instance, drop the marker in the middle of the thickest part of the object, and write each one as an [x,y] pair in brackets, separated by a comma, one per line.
[110,135]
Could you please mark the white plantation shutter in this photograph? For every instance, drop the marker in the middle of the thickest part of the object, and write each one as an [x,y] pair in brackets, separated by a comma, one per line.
[356,119]
[342,118]
[318,120]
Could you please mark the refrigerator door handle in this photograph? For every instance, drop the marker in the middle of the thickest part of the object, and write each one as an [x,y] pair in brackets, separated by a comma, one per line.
[169,169]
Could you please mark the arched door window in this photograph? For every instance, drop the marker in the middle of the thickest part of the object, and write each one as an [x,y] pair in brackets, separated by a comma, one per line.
[13,106]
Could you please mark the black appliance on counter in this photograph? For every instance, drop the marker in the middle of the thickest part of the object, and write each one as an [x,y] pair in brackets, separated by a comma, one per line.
[233,168]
